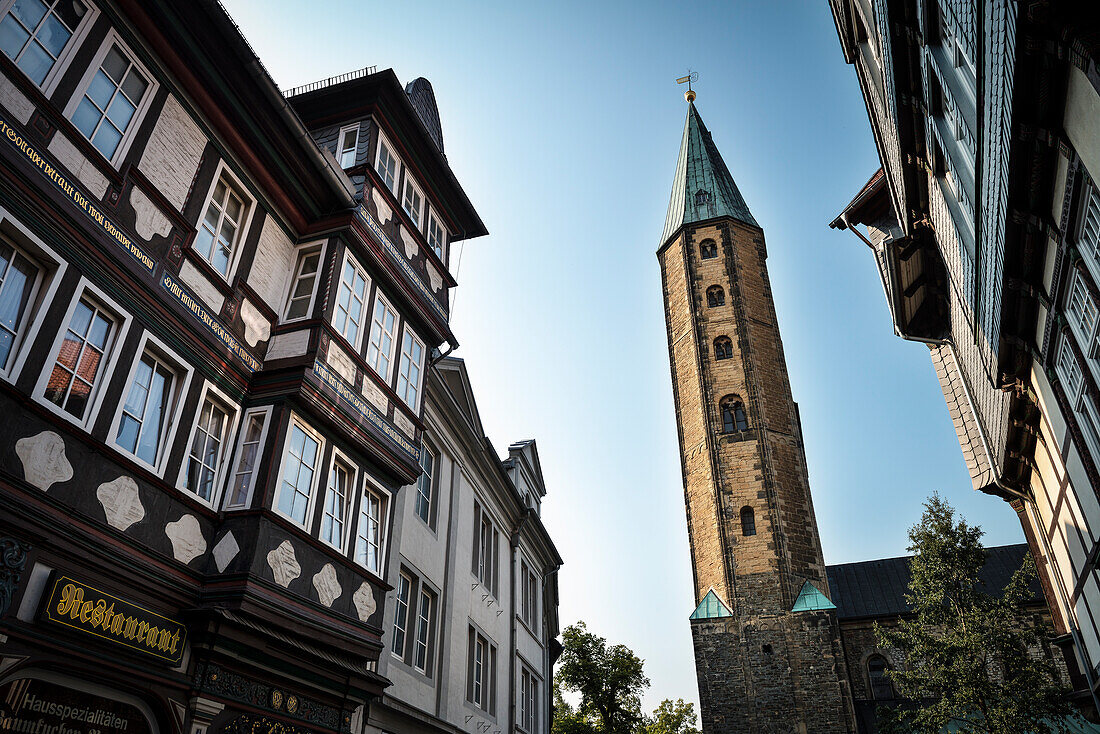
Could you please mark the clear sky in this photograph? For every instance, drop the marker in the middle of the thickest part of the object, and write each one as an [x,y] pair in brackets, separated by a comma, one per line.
[563,120]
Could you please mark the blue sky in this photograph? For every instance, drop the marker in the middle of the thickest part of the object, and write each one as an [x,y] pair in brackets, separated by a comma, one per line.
[563,121]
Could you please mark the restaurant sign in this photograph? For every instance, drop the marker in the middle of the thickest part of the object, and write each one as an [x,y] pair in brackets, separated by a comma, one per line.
[90,611]
[33,706]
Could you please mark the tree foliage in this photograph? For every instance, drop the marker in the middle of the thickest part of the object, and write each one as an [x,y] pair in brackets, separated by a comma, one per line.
[609,679]
[968,654]
[672,717]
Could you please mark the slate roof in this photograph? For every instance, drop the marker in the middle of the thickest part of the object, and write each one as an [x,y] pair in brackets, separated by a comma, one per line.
[422,97]
[877,588]
[702,187]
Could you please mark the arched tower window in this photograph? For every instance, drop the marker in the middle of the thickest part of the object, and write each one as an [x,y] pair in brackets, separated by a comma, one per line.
[748,521]
[881,688]
[716,296]
[708,248]
[723,348]
[733,415]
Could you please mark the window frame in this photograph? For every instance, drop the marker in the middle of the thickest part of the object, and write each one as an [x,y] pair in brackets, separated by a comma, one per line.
[112,38]
[423,590]
[402,575]
[380,297]
[340,150]
[372,486]
[238,451]
[434,218]
[300,253]
[384,142]
[419,220]
[350,493]
[233,415]
[427,450]
[64,59]
[245,225]
[311,503]
[350,259]
[716,296]
[486,700]
[85,289]
[408,332]
[22,335]
[478,564]
[182,373]
[527,707]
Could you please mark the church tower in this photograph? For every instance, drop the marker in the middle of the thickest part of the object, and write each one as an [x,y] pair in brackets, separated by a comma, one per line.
[767,645]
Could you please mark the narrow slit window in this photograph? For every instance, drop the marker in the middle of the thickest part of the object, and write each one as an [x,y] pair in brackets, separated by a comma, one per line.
[748,521]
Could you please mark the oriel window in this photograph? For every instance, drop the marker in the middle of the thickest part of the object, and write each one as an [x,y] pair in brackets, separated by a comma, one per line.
[299,467]
[386,166]
[383,330]
[347,317]
[141,428]
[368,543]
[245,471]
[206,449]
[336,498]
[408,373]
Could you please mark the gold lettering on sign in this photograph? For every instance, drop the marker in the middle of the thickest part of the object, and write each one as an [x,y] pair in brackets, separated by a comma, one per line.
[89,610]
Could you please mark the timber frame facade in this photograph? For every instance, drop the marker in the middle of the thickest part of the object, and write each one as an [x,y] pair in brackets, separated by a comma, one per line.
[219,308]
[985,224]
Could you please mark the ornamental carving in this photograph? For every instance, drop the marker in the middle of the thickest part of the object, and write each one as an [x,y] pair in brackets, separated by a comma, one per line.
[238,688]
[13,560]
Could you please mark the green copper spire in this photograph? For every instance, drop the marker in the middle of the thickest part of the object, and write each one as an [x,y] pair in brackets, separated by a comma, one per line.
[703,187]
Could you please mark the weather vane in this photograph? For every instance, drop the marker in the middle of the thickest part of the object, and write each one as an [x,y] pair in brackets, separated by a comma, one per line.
[692,76]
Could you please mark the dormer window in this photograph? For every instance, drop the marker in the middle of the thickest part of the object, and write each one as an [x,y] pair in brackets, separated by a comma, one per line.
[702,197]
[412,201]
[716,296]
[386,165]
[349,144]
[708,249]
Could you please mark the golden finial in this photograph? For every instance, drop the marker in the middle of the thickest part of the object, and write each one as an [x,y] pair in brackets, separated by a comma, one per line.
[692,76]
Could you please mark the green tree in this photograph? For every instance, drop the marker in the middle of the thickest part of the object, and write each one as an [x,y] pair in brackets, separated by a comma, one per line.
[967,652]
[567,720]
[609,679]
[672,717]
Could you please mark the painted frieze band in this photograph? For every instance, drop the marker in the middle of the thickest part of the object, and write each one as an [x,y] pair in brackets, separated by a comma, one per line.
[357,403]
[394,253]
[83,202]
[204,317]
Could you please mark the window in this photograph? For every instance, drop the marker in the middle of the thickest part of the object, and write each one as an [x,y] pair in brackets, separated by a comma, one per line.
[424,486]
[341,482]
[347,317]
[368,541]
[220,228]
[386,165]
[1088,236]
[413,201]
[76,371]
[437,234]
[528,701]
[733,415]
[300,301]
[142,425]
[881,688]
[748,521]
[253,433]
[708,249]
[115,94]
[303,451]
[208,440]
[422,647]
[723,348]
[34,34]
[19,279]
[348,144]
[1079,393]
[383,329]
[1081,310]
[715,296]
[486,546]
[401,615]
[408,373]
[529,595]
[481,673]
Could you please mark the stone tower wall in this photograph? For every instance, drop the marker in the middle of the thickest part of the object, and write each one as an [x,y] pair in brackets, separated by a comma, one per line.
[765,669]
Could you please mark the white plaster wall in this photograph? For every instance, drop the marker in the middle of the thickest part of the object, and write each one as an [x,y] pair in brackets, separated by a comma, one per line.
[1082,112]
[172,155]
[272,265]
